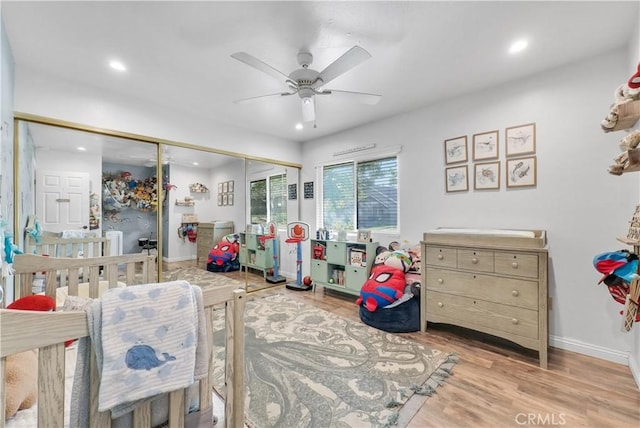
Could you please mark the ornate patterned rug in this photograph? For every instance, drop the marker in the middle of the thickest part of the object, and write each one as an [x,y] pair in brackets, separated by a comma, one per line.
[306,367]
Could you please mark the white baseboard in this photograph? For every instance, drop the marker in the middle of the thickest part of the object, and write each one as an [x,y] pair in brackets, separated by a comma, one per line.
[634,365]
[590,350]
[178,259]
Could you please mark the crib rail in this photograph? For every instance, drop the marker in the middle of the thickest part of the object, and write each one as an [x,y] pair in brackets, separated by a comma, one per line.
[47,332]
[59,272]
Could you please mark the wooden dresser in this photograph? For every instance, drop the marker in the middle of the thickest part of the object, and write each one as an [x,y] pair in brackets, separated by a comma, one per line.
[209,234]
[491,281]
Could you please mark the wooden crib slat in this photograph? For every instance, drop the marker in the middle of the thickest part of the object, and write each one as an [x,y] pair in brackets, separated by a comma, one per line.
[234,325]
[3,391]
[205,387]
[142,416]
[51,386]
[96,418]
[176,408]
[74,276]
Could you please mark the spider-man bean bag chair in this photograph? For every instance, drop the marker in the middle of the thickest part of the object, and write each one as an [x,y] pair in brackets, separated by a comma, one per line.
[224,257]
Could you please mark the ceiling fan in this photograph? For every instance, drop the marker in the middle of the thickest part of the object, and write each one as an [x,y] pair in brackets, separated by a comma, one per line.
[307,83]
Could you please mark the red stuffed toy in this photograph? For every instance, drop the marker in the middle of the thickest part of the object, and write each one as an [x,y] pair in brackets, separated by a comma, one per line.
[21,375]
[385,285]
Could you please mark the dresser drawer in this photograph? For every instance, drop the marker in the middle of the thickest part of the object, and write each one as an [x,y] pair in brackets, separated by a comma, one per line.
[319,271]
[516,264]
[505,291]
[476,260]
[337,253]
[442,256]
[481,315]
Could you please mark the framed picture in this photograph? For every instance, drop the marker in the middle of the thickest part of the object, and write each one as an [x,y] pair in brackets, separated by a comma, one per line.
[225,187]
[521,172]
[230,199]
[486,175]
[220,199]
[520,140]
[219,187]
[225,199]
[364,236]
[308,190]
[230,187]
[457,179]
[293,192]
[455,150]
[485,145]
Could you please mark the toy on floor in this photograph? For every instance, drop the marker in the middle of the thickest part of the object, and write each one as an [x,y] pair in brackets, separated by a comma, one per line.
[223,257]
[298,232]
[387,281]
[21,375]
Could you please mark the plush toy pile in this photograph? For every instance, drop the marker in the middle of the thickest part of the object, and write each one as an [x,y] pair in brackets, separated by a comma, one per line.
[21,374]
[223,257]
[619,269]
[388,298]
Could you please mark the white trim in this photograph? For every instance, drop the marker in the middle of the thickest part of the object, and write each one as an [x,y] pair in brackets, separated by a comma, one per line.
[178,259]
[634,366]
[590,350]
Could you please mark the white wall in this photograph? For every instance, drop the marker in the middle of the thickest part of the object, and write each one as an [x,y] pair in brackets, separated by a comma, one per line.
[582,207]
[60,99]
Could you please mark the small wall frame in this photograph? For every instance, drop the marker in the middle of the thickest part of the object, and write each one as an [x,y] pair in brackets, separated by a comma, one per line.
[486,176]
[485,145]
[364,236]
[521,172]
[455,150]
[457,178]
[520,140]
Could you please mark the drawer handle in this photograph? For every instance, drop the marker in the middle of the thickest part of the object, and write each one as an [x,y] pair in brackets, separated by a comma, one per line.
[515,293]
[440,257]
[440,280]
[514,265]
[440,304]
[514,321]
[474,261]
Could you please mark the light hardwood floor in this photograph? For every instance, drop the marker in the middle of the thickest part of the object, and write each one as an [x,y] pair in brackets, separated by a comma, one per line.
[496,384]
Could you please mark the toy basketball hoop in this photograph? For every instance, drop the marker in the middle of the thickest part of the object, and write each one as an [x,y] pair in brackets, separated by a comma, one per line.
[272,236]
[297,232]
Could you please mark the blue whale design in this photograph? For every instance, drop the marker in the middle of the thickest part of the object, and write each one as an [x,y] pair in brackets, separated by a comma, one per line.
[143,357]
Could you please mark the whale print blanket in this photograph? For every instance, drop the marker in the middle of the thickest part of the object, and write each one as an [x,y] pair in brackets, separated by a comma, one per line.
[149,339]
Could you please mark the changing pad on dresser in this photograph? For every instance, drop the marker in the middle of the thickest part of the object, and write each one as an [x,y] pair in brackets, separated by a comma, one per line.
[481,237]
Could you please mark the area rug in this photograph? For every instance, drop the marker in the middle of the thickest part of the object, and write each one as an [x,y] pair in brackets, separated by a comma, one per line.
[306,367]
[200,277]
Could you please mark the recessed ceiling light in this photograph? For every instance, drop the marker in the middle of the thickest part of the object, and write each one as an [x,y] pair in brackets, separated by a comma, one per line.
[196,164]
[117,65]
[299,126]
[82,149]
[518,46]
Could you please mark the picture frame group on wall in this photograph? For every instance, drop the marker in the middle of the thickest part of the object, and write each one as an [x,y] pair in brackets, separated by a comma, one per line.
[520,165]
[225,193]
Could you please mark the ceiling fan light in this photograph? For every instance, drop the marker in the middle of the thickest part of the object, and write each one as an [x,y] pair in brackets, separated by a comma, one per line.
[307,100]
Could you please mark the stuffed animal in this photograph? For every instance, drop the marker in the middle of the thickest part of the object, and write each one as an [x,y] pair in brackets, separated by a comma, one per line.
[21,374]
[384,286]
[625,93]
[628,158]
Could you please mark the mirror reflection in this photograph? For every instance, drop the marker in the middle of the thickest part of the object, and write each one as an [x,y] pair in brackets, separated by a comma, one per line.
[195,209]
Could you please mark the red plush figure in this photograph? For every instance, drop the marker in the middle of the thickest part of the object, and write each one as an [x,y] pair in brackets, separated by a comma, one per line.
[385,285]
[21,375]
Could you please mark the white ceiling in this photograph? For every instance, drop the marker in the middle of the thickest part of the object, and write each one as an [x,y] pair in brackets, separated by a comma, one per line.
[178,53]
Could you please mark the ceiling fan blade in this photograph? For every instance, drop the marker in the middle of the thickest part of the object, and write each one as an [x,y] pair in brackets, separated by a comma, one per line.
[259,98]
[346,62]
[361,97]
[260,65]
[309,109]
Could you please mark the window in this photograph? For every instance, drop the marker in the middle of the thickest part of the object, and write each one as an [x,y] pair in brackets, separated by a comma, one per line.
[268,199]
[360,195]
